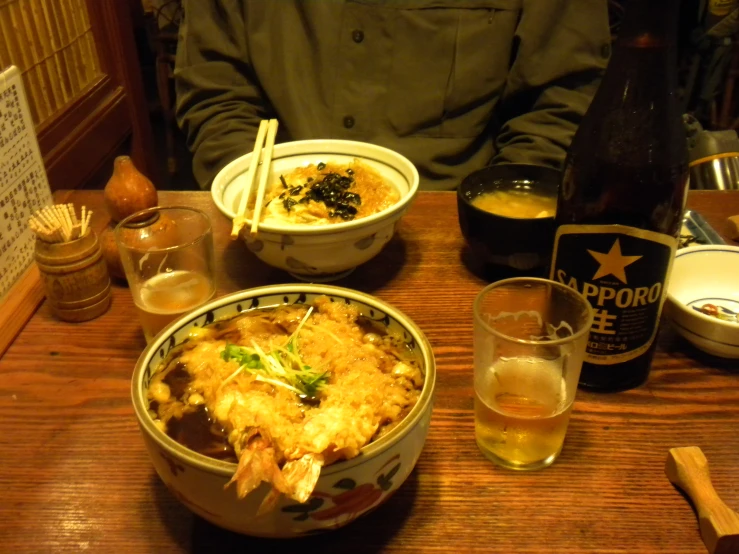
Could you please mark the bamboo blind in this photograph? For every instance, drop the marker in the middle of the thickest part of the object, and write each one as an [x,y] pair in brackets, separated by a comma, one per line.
[51,42]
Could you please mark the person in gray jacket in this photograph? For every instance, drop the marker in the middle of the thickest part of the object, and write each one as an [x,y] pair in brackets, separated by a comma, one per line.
[454,85]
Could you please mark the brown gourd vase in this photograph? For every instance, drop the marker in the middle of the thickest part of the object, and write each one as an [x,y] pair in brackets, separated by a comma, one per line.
[128,190]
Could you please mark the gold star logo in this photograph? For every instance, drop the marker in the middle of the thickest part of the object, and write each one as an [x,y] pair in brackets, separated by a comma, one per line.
[613,263]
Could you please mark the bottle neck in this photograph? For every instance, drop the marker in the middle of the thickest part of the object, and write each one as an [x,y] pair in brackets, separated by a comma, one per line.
[645,50]
[649,24]
[635,117]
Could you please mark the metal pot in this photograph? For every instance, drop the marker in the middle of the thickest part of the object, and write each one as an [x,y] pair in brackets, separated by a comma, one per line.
[714,160]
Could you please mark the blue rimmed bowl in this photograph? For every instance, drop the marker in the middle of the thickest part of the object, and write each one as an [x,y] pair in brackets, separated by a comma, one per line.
[320,253]
[704,275]
[369,479]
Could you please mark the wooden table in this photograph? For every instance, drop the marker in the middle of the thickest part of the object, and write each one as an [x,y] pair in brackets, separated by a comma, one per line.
[75,476]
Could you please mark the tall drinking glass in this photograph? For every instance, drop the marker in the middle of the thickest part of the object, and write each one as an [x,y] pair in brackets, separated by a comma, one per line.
[529,344]
[167,255]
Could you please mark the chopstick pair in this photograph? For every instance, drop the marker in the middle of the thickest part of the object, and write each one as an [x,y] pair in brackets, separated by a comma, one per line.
[261,156]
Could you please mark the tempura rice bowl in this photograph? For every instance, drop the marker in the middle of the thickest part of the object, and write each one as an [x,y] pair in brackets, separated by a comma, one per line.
[320,253]
[198,481]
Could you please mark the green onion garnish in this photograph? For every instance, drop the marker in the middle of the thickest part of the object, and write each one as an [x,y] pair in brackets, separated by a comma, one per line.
[283,366]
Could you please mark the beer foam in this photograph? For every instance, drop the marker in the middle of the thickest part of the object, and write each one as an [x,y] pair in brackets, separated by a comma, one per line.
[552,331]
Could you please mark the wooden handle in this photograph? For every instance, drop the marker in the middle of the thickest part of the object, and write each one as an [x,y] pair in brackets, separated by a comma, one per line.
[687,468]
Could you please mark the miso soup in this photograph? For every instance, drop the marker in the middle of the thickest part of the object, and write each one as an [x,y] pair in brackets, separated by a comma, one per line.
[516,204]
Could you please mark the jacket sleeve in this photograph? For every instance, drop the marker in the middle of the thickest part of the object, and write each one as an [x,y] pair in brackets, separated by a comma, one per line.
[562,48]
[219,101]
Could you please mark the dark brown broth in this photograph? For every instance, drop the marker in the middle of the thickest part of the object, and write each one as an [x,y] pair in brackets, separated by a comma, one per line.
[198,432]
[178,380]
[195,430]
[369,326]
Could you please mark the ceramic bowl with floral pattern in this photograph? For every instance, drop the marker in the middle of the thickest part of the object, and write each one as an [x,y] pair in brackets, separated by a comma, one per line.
[320,253]
[346,489]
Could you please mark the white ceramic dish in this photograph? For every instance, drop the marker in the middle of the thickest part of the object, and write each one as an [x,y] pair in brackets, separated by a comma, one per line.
[198,481]
[320,253]
[705,275]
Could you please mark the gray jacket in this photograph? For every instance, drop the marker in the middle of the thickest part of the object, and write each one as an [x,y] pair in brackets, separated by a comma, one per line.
[452,84]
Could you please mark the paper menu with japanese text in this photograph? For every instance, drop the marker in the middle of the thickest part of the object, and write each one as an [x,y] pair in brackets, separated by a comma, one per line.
[23,184]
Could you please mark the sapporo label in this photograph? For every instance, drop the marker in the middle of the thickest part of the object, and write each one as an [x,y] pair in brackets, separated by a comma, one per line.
[622,271]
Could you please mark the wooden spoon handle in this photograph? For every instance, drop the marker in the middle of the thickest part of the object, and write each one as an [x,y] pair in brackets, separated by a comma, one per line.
[687,468]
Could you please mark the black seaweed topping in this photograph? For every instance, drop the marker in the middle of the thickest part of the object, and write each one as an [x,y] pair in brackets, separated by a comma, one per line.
[332,190]
[352,197]
[288,203]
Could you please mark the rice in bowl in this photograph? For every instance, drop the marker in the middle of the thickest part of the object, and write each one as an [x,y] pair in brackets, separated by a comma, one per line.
[326,193]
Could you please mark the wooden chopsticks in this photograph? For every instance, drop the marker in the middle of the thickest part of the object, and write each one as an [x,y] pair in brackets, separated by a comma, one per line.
[264,174]
[261,159]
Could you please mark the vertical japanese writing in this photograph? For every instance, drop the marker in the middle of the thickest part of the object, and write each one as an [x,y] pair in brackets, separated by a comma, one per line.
[23,185]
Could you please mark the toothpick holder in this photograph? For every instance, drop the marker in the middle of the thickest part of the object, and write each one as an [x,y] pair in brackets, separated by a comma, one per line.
[75,277]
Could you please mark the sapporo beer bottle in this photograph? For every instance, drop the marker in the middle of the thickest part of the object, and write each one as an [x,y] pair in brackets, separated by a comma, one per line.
[622,197]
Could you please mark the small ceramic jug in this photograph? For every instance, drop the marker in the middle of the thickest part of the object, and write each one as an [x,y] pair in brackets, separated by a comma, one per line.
[75,277]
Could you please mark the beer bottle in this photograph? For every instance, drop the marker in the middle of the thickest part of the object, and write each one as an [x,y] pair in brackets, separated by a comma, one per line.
[622,197]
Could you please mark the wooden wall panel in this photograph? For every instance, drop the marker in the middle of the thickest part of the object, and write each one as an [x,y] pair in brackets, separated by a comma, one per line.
[81,72]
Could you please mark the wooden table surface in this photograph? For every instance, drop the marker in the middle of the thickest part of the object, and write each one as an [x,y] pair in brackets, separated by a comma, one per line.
[75,477]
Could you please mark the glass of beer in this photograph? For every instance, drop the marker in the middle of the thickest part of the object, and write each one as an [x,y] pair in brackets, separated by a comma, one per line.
[167,255]
[529,343]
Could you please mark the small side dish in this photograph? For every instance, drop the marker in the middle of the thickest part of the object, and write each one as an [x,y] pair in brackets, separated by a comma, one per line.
[703,299]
